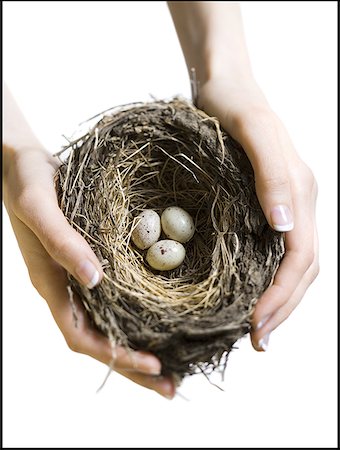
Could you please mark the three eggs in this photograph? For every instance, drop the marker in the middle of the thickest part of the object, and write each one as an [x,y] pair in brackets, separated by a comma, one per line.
[177,225]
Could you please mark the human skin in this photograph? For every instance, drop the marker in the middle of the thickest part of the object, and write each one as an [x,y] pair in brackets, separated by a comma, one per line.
[212,40]
[50,247]
[213,43]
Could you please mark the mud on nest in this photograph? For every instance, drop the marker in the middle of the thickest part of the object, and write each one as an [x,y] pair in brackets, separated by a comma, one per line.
[155,155]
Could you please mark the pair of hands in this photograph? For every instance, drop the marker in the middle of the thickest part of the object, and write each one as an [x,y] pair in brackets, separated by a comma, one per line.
[285,187]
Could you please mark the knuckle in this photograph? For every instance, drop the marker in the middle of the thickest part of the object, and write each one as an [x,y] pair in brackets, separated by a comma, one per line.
[73,344]
[304,177]
[314,187]
[274,183]
[307,174]
[315,270]
[304,260]
[38,281]
[59,246]
[309,259]
[35,280]
[283,314]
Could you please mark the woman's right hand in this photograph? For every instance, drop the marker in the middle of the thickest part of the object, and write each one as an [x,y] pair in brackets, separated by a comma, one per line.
[286,190]
[50,247]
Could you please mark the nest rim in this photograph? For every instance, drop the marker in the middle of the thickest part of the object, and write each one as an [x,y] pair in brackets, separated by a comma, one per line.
[194,315]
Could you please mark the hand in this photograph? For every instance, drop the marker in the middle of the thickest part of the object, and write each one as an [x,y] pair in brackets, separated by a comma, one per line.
[50,245]
[286,190]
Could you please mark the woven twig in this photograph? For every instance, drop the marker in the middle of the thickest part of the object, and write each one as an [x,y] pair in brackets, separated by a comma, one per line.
[155,155]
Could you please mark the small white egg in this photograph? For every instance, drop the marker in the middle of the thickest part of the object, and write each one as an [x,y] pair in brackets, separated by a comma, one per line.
[165,255]
[177,224]
[147,230]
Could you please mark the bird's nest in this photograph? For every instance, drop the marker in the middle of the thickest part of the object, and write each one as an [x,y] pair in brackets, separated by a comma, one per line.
[150,156]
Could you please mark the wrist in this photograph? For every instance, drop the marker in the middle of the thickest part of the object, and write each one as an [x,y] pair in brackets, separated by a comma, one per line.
[235,94]
[212,39]
[12,153]
[219,63]
[18,135]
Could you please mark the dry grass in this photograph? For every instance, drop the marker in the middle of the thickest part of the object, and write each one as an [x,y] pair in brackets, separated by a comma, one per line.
[154,155]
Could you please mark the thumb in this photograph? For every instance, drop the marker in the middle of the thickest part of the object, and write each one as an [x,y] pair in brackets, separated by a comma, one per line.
[39,210]
[273,192]
[260,141]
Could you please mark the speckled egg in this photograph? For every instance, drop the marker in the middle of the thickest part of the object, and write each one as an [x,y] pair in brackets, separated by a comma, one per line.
[165,255]
[147,230]
[177,224]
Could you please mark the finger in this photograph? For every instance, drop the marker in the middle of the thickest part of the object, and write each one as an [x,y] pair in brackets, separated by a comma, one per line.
[260,338]
[164,386]
[140,367]
[290,273]
[260,335]
[39,210]
[301,250]
[280,315]
[259,135]
[50,280]
[297,259]
[81,336]
[92,343]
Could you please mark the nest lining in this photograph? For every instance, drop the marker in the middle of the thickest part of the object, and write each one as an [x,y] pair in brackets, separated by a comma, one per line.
[151,156]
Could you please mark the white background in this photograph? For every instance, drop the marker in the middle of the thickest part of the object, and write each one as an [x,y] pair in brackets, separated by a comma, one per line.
[66,61]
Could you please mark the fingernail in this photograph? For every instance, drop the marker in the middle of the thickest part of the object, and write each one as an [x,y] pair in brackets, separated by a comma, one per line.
[262,322]
[166,388]
[88,274]
[263,342]
[282,218]
[147,364]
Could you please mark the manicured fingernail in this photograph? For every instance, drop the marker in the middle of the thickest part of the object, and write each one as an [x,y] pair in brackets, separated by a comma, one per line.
[262,322]
[88,274]
[282,218]
[263,342]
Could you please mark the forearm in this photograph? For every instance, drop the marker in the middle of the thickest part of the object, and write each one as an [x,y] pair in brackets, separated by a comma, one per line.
[212,39]
[17,133]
